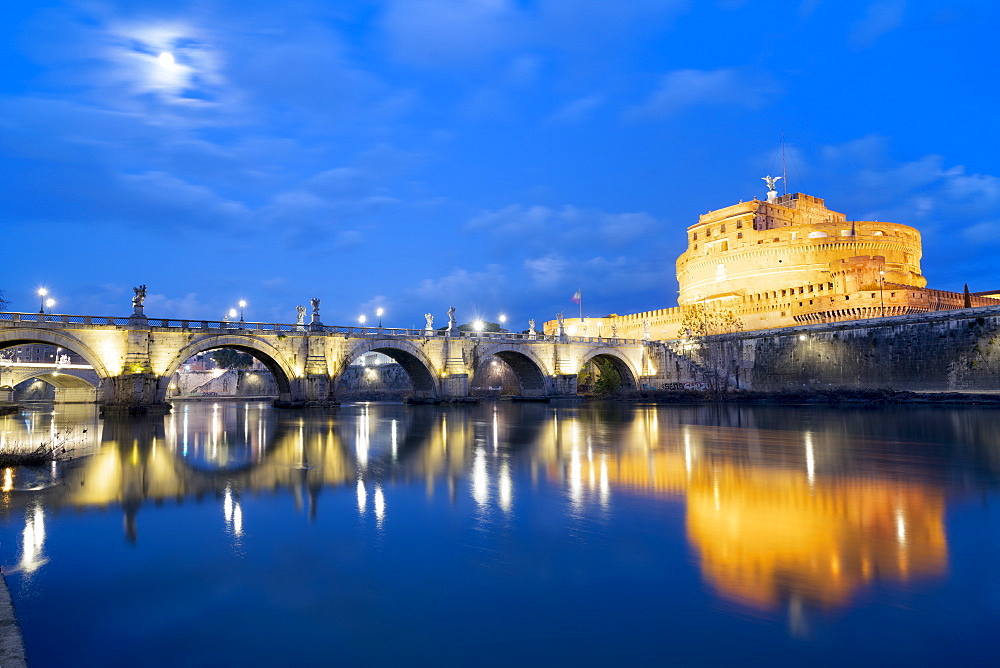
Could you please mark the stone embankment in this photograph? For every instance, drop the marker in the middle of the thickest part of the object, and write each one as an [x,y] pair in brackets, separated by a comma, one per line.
[941,351]
[11,642]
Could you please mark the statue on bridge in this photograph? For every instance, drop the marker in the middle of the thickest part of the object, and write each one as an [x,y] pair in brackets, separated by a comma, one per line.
[429,322]
[560,320]
[314,302]
[140,296]
[645,330]
[452,323]
[532,334]
[300,312]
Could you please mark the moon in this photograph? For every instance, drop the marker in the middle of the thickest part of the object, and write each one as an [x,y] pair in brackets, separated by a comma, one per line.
[166,59]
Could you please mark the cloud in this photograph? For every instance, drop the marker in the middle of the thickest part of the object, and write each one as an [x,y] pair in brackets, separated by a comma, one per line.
[986,233]
[460,34]
[188,306]
[547,271]
[462,286]
[453,33]
[527,227]
[880,17]
[726,87]
[577,110]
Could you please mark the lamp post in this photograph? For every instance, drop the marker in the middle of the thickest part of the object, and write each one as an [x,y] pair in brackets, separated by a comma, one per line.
[243,305]
[232,314]
[361,319]
[49,303]
[379,311]
[478,326]
[41,299]
[503,321]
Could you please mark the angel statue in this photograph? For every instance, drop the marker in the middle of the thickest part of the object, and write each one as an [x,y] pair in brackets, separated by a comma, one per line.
[314,302]
[429,322]
[770,180]
[300,313]
[140,296]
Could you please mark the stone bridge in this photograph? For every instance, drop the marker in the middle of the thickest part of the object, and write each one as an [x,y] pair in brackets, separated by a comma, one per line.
[134,357]
[73,383]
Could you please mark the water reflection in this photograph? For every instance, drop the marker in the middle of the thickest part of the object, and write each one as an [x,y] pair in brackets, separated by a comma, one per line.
[784,509]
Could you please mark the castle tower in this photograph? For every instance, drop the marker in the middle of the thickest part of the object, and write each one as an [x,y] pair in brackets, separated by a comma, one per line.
[759,247]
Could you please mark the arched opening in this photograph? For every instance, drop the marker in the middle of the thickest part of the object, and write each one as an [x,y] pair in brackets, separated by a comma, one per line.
[225,372]
[507,373]
[53,386]
[374,376]
[267,376]
[380,370]
[605,373]
[33,370]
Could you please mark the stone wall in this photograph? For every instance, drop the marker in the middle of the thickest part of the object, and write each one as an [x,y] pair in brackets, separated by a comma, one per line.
[953,350]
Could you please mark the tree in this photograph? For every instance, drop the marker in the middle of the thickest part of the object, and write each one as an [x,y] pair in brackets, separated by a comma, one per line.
[609,380]
[227,358]
[3,302]
[717,350]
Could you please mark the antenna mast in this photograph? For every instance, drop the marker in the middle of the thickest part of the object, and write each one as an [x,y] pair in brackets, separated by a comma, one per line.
[784,175]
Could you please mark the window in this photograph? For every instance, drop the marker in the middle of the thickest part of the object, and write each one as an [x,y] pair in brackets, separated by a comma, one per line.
[739,224]
[722,229]
[739,235]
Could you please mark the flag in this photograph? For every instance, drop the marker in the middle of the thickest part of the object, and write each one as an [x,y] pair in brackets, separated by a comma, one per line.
[577,298]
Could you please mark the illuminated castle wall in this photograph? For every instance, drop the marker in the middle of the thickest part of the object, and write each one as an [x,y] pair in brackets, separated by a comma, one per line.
[789,261]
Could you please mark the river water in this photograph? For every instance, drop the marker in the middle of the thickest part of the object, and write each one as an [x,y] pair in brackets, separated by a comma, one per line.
[506,534]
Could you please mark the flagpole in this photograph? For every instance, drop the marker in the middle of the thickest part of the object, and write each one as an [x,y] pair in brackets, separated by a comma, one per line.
[581,306]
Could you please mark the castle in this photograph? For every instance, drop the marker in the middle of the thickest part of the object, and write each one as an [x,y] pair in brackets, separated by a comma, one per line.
[785,261]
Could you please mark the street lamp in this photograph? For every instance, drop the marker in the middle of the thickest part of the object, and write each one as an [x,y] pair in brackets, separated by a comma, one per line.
[232,314]
[379,311]
[503,321]
[41,299]
[478,326]
[243,305]
[49,303]
[362,318]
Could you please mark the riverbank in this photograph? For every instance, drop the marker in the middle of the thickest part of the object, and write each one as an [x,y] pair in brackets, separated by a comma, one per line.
[12,653]
[8,409]
[819,396]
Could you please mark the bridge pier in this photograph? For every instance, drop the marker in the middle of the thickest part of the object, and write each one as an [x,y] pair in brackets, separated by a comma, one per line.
[313,390]
[455,385]
[563,384]
[132,393]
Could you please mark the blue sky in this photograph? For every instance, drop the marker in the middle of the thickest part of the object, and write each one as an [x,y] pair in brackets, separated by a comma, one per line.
[494,155]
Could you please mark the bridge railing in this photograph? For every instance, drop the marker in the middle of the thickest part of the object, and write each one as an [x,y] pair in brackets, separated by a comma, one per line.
[99,320]
[273,327]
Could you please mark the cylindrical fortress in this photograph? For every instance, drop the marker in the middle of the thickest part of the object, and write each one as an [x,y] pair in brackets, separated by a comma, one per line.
[756,247]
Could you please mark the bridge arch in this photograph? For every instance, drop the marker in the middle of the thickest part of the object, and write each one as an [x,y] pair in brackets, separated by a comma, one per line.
[30,336]
[268,355]
[423,374]
[530,371]
[619,361]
